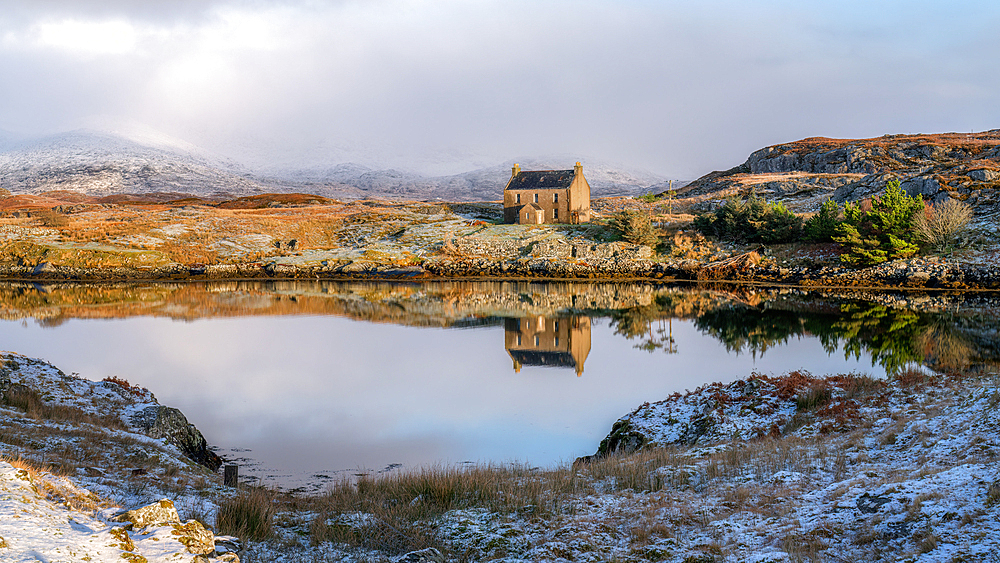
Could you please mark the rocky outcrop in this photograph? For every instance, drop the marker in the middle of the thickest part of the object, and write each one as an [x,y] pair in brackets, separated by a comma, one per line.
[803,173]
[171,424]
[160,519]
[627,265]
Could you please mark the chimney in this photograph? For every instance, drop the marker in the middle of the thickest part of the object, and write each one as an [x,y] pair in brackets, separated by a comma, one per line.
[515,170]
[578,169]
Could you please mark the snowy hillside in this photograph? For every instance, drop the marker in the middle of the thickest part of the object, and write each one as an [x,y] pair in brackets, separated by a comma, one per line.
[99,163]
[605,179]
[138,160]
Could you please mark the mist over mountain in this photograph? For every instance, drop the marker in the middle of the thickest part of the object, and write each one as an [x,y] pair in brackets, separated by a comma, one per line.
[100,163]
[141,161]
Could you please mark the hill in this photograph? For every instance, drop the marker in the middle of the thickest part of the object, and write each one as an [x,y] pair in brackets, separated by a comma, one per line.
[963,166]
[113,163]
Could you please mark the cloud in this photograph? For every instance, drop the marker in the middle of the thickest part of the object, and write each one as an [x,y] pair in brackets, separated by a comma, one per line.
[675,87]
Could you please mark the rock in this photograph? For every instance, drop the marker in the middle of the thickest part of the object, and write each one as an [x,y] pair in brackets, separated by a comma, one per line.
[227,544]
[44,268]
[895,530]
[623,439]
[869,504]
[921,186]
[429,555]
[157,514]
[170,424]
[194,537]
[984,175]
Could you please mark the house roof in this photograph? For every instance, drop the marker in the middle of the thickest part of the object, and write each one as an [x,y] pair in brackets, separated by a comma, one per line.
[541,180]
[534,206]
[543,358]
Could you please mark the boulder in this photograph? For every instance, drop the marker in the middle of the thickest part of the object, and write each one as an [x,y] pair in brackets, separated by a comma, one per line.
[194,537]
[984,175]
[160,513]
[170,424]
[921,186]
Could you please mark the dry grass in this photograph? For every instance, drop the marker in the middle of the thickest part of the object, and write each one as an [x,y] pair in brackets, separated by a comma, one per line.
[248,515]
[30,402]
[55,489]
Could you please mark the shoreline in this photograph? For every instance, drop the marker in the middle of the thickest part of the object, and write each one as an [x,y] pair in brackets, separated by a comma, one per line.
[911,274]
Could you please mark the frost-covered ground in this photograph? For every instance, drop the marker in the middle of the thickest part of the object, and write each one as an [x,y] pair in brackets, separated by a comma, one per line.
[766,469]
[84,431]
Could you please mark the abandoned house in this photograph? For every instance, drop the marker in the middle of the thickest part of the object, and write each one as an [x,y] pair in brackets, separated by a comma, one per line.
[533,197]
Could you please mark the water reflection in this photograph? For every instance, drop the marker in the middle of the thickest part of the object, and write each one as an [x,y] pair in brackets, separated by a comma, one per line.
[552,342]
[325,376]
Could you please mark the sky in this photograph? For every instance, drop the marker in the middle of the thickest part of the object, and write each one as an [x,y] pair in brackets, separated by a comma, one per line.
[674,87]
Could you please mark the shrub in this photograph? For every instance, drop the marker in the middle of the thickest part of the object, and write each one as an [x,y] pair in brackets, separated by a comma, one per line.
[822,226]
[634,226]
[940,226]
[880,230]
[753,220]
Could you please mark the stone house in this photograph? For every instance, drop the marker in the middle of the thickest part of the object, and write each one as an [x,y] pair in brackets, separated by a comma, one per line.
[534,197]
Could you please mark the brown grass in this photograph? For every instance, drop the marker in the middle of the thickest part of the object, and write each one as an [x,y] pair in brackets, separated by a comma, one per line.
[249,515]
[31,403]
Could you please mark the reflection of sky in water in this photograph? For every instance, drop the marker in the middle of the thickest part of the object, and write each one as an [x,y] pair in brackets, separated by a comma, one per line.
[318,394]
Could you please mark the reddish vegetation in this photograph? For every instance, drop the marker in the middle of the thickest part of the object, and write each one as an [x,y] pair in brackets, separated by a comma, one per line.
[124,384]
[974,142]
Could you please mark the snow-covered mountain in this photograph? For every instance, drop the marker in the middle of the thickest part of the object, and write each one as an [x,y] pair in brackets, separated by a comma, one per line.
[140,160]
[100,163]
[482,184]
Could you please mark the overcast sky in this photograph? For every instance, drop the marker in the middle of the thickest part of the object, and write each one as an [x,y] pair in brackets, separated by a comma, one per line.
[674,87]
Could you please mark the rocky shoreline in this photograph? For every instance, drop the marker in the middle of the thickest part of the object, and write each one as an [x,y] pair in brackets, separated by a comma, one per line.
[914,273]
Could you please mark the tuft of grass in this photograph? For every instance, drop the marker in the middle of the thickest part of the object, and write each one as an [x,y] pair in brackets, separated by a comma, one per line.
[249,515]
[813,398]
[993,494]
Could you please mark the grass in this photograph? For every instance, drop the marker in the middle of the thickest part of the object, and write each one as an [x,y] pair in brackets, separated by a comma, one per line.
[248,515]
[398,501]
[30,402]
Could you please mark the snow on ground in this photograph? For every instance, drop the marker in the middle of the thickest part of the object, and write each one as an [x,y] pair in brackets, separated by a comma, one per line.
[83,429]
[766,469]
[48,518]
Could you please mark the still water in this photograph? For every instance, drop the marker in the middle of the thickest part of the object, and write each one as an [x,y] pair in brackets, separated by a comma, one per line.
[305,381]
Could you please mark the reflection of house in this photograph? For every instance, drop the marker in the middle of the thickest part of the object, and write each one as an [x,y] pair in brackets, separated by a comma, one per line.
[546,196]
[539,341]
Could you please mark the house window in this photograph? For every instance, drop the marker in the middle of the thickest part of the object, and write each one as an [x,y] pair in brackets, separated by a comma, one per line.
[536,341]
[518,339]
[556,341]
[518,196]
[557,325]
[536,198]
[555,213]
[555,198]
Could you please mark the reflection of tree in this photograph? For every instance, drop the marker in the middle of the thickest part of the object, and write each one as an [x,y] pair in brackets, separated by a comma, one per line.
[743,329]
[637,322]
[944,347]
[894,338]
[889,335]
